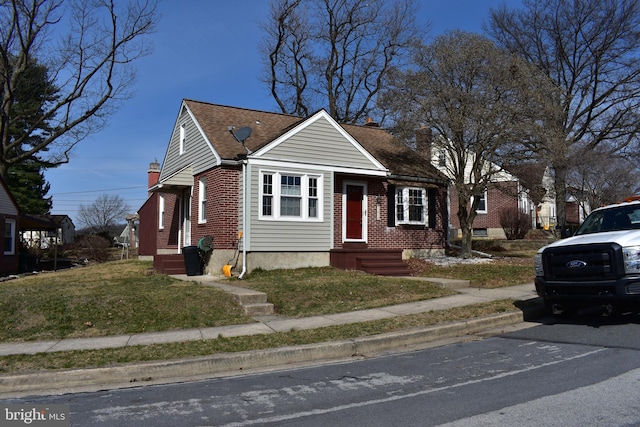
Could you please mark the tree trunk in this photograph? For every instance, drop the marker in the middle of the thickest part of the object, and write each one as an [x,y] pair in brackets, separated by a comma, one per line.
[560,187]
[466,220]
[465,245]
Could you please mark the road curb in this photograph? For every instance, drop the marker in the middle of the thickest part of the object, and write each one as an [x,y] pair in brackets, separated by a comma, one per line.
[133,375]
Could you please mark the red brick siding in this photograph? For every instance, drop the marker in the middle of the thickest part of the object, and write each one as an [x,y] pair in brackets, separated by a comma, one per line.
[9,263]
[148,228]
[222,207]
[498,199]
[168,236]
[572,212]
[379,234]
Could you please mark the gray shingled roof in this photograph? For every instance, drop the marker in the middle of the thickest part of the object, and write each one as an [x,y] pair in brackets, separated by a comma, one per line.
[266,127]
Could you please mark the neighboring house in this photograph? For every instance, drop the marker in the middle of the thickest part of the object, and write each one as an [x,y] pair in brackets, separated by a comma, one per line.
[129,235]
[505,191]
[40,231]
[576,210]
[9,218]
[286,192]
[65,227]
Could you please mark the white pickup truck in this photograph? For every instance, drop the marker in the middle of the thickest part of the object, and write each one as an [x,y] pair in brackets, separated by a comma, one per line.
[598,265]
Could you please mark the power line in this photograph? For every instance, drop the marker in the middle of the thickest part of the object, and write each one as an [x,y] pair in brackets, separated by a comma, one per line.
[98,191]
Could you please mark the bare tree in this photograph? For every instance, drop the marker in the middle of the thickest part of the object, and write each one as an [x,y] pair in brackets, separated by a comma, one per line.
[590,49]
[105,212]
[476,99]
[600,178]
[334,54]
[87,48]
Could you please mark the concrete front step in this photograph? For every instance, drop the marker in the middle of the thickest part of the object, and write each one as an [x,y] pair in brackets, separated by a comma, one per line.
[258,309]
[447,283]
[389,271]
[254,303]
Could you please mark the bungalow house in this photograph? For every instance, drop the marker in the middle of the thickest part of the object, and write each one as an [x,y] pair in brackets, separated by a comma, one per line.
[255,189]
[9,218]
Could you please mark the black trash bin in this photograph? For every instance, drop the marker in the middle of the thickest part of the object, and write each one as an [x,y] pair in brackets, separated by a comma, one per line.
[192,261]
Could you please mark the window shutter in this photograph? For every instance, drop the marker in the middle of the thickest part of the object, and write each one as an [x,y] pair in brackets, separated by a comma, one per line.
[391,205]
[431,202]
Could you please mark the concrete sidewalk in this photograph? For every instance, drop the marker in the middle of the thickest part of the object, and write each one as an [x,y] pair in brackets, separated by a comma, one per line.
[209,366]
[271,324]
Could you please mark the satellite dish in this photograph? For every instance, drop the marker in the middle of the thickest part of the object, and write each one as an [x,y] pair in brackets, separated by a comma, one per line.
[242,134]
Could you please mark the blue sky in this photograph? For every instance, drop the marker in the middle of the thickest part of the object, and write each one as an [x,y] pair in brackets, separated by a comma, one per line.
[205,50]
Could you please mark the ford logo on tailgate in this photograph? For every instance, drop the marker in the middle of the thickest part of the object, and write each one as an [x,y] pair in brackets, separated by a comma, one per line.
[576,263]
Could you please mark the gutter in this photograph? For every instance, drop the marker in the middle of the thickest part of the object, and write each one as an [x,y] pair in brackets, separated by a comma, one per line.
[244,220]
[416,179]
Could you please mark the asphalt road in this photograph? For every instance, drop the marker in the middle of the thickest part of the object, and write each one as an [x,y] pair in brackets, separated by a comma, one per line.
[583,372]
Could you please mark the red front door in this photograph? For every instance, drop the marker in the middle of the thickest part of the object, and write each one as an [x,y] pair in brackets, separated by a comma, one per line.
[354,212]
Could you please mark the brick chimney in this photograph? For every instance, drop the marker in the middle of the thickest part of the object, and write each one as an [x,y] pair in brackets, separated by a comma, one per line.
[153,174]
[424,136]
[370,123]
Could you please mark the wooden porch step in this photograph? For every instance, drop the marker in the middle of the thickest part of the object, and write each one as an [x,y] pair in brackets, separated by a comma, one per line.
[386,268]
[169,264]
[382,264]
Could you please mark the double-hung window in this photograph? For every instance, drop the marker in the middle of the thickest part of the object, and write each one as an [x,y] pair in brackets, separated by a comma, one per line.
[161,211]
[290,196]
[482,204]
[9,237]
[202,200]
[411,206]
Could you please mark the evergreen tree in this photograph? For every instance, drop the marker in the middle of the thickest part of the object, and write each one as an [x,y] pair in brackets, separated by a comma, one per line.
[29,188]
[25,179]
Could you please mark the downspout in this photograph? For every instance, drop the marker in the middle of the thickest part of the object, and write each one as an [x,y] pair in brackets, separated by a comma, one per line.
[244,220]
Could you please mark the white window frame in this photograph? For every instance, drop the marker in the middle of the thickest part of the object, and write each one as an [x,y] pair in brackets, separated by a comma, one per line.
[442,158]
[405,192]
[276,196]
[161,212]
[202,201]
[482,198]
[12,234]
[183,138]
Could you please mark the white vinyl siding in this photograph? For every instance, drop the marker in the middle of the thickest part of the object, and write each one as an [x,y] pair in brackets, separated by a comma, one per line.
[320,143]
[287,234]
[190,149]
[7,206]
